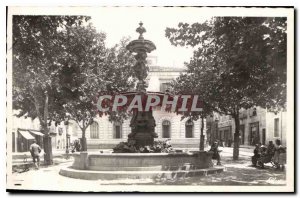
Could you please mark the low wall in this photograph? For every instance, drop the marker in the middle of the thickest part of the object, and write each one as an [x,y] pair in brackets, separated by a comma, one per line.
[111,166]
[141,161]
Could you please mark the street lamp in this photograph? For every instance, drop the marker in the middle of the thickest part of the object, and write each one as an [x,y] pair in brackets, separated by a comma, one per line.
[217,127]
[67,133]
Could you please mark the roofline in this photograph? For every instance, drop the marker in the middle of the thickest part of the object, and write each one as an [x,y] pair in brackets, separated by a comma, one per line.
[165,69]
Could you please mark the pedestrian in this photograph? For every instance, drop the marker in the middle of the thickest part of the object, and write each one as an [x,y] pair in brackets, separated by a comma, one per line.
[256,155]
[216,155]
[279,150]
[77,145]
[35,150]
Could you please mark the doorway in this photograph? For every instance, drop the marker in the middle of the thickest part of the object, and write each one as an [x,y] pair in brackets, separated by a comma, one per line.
[242,134]
[264,136]
[254,133]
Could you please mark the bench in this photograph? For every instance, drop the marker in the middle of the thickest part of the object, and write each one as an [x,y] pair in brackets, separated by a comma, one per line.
[24,164]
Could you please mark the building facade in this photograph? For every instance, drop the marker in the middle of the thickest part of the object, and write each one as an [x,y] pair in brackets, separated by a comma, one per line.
[25,130]
[257,125]
[183,133]
[104,134]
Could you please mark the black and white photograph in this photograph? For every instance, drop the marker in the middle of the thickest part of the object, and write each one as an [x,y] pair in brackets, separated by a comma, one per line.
[150,99]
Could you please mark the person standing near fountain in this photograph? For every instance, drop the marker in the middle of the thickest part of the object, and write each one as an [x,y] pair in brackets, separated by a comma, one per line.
[216,152]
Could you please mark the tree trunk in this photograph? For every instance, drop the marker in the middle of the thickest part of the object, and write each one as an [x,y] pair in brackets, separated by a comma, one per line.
[48,157]
[236,143]
[83,141]
[201,135]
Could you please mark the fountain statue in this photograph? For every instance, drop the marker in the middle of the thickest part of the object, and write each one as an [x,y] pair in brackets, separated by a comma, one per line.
[142,123]
[158,166]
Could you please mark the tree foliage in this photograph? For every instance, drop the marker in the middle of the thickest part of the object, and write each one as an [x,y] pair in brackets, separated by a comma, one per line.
[238,62]
[37,53]
[36,64]
[93,69]
[242,58]
[60,63]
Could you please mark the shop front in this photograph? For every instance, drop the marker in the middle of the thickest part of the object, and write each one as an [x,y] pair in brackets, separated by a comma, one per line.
[24,140]
[225,135]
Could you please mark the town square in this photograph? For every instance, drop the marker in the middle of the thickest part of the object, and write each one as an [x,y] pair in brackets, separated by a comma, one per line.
[115,99]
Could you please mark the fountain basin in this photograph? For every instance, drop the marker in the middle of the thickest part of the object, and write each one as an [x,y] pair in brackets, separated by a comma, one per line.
[108,166]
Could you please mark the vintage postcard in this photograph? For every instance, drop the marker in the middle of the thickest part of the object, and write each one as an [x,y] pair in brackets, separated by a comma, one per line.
[150,99]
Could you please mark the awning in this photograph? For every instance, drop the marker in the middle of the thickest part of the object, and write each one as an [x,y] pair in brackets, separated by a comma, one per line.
[26,135]
[36,133]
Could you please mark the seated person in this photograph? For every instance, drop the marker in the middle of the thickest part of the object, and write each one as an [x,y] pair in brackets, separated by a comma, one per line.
[271,149]
[215,150]
[266,155]
[76,146]
[256,155]
[279,158]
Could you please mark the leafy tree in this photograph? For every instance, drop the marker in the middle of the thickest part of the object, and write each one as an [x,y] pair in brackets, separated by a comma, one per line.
[239,62]
[186,85]
[36,69]
[91,69]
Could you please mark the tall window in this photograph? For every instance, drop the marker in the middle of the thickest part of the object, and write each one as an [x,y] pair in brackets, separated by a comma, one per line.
[189,129]
[166,129]
[117,130]
[94,131]
[276,127]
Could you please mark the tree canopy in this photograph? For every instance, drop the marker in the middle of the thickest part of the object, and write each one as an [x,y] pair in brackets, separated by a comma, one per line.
[37,54]
[60,63]
[238,62]
[94,69]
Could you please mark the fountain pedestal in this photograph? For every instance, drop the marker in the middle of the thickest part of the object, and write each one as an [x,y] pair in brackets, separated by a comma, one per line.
[142,128]
[142,123]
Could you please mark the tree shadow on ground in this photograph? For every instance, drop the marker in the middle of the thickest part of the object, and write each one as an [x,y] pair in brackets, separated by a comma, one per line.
[240,172]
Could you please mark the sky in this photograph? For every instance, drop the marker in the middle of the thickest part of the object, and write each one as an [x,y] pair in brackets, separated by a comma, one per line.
[120,22]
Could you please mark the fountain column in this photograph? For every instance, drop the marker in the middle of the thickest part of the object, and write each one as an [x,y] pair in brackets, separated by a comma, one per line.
[142,123]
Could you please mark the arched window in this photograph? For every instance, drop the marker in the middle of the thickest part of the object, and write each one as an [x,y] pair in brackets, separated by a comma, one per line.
[117,130]
[166,125]
[189,129]
[94,129]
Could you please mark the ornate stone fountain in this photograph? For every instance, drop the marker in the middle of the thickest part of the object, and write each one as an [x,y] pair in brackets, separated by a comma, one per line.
[94,166]
[142,123]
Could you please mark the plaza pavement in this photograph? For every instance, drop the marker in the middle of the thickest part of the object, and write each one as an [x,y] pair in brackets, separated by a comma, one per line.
[237,173]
